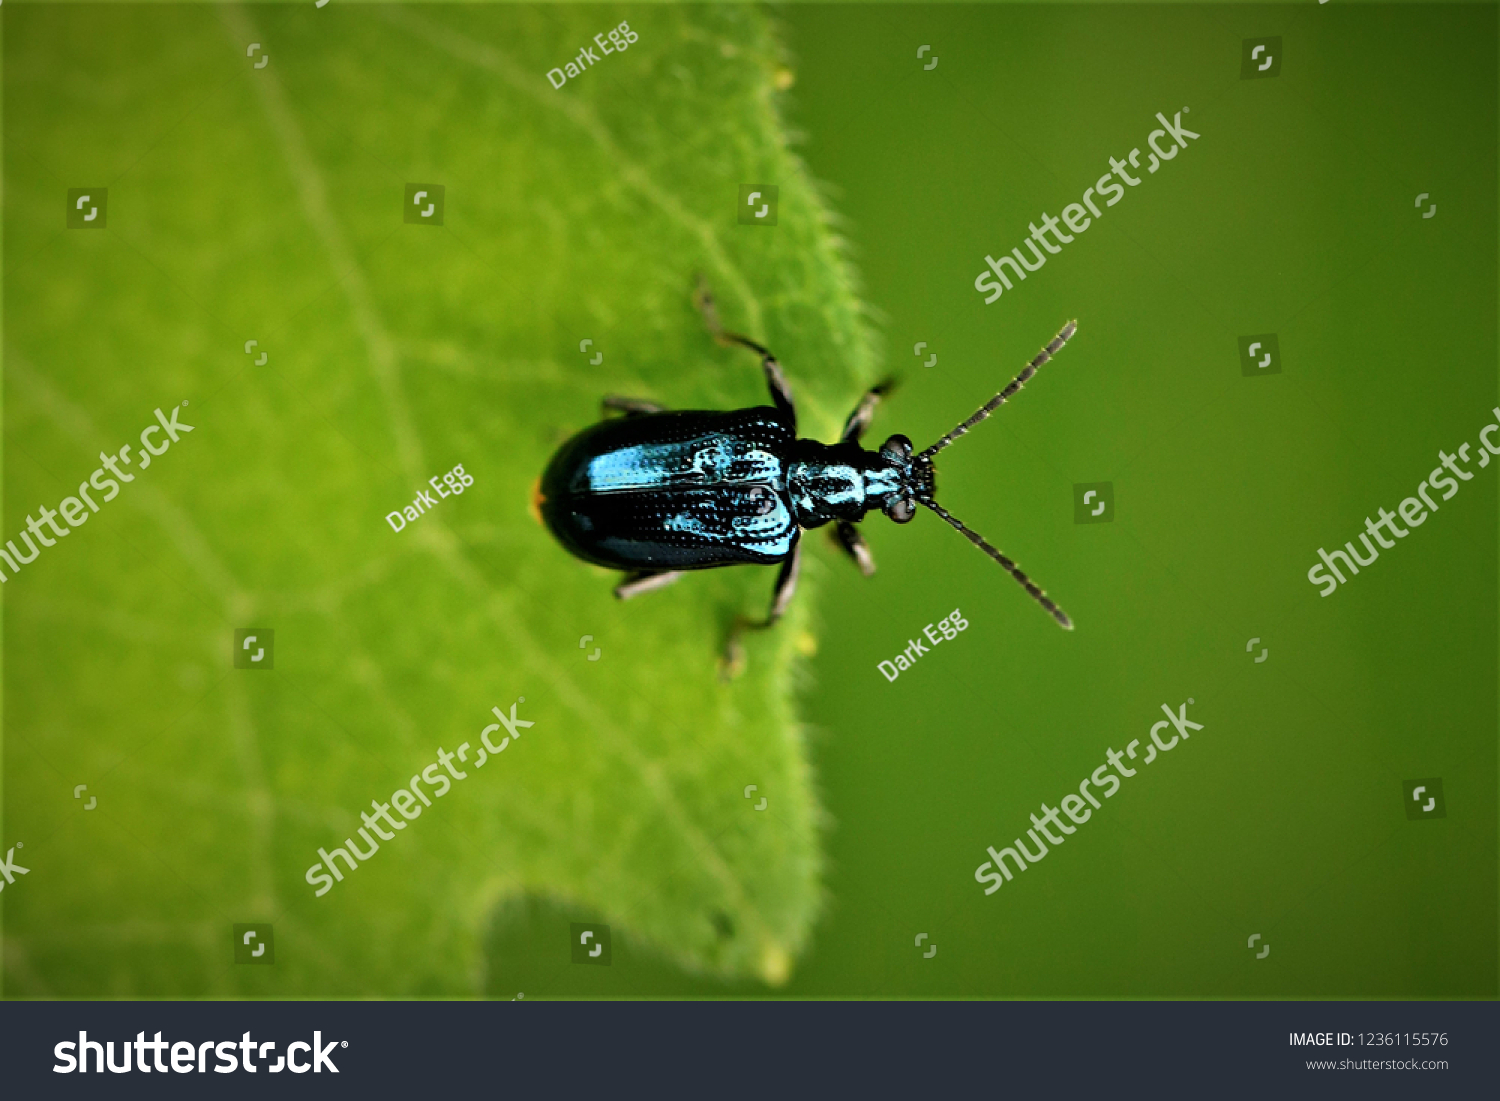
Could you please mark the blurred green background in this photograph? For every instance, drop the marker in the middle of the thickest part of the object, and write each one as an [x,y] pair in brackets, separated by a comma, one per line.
[1293,214]
[585,214]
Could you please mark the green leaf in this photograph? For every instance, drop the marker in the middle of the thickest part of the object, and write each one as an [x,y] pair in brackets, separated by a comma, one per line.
[267,204]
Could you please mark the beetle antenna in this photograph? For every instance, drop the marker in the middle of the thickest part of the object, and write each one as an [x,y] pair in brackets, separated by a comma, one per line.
[1004,395]
[1010,567]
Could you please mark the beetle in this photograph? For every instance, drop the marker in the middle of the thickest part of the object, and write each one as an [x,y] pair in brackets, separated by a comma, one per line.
[657,493]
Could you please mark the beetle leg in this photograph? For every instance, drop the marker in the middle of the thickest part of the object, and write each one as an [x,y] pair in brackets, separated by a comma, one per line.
[631,407]
[781,597]
[781,393]
[644,582]
[859,420]
[786,585]
[848,537]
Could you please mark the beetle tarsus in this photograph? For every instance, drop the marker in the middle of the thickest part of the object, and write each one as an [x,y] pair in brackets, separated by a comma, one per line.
[631,407]
[645,581]
[732,661]
[703,298]
[852,543]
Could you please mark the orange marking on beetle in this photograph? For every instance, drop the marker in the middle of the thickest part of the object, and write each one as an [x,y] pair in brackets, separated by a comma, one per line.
[538,499]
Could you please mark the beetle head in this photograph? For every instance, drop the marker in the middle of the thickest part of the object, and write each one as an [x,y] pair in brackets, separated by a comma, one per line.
[917,479]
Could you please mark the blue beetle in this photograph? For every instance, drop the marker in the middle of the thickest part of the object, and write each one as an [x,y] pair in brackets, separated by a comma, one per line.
[657,493]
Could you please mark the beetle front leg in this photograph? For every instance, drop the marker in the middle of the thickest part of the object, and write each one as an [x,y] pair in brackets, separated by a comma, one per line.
[781,597]
[781,393]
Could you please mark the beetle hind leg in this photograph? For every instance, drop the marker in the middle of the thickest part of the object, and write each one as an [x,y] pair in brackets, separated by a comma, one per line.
[631,407]
[645,581]
[733,663]
[847,536]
